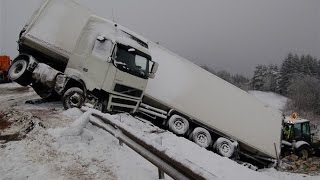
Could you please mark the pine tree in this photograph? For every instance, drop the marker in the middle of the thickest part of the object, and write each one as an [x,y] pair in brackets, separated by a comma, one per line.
[285,71]
[312,65]
[258,79]
[295,65]
[273,73]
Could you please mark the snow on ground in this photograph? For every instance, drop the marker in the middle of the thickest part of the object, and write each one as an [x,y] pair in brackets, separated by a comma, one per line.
[71,148]
[271,99]
[11,91]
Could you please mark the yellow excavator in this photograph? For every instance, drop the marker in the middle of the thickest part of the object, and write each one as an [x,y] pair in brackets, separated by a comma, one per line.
[298,139]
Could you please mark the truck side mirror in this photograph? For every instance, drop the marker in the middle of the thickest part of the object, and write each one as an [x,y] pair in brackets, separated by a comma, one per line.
[154,69]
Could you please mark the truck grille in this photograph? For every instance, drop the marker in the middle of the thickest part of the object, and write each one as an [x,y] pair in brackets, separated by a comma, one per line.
[127,90]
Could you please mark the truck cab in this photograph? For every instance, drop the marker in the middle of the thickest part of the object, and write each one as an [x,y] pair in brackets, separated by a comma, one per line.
[112,66]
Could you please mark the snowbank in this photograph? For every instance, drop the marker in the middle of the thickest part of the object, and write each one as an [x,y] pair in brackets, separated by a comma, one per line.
[183,150]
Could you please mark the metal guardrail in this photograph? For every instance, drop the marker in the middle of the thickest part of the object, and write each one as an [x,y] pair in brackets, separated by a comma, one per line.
[171,167]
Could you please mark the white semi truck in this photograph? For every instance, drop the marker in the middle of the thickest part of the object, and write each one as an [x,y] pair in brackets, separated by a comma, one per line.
[66,50]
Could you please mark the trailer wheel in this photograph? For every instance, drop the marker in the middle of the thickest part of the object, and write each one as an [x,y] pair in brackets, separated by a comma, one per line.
[201,137]
[18,72]
[224,147]
[73,97]
[303,152]
[178,124]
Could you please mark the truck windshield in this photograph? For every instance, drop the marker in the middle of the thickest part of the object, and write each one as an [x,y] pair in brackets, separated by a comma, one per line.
[133,62]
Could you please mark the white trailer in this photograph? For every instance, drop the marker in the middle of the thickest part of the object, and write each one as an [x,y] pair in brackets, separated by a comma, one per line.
[189,97]
[51,33]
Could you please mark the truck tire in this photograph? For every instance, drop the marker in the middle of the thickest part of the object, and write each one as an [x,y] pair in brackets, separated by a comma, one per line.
[178,124]
[45,93]
[304,152]
[73,97]
[18,72]
[224,147]
[201,137]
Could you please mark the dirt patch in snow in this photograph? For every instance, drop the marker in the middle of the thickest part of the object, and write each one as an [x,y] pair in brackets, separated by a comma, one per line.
[14,125]
[293,163]
[3,123]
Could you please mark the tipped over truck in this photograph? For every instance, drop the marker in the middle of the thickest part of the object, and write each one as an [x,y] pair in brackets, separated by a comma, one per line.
[66,51]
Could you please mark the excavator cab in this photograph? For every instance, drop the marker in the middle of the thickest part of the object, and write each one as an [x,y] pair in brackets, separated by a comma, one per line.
[297,138]
[298,130]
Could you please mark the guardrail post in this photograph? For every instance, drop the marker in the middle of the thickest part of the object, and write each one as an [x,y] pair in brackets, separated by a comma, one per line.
[160,172]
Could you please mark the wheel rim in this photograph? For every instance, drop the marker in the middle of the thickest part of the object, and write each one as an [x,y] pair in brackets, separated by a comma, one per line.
[99,107]
[18,69]
[225,148]
[202,139]
[75,100]
[179,124]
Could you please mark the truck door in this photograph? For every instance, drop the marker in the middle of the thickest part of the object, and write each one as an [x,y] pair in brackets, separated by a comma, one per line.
[131,73]
[96,65]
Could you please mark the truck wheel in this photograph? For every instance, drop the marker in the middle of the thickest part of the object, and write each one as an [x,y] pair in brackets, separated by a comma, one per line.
[201,137]
[18,72]
[303,152]
[178,124]
[224,147]
[73,97]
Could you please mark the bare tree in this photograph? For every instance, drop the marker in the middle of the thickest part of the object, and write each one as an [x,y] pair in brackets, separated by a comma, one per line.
[304,91]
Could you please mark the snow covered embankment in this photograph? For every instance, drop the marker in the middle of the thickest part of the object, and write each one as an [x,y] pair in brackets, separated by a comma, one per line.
[271,99]
[177,148]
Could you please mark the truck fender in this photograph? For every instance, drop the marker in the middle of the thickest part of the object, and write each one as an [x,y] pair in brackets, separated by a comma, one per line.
[286,143]
[298,144]
[74,81]
[172,112]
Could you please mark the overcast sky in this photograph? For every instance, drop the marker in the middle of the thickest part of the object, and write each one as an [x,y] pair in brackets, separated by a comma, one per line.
[234,35]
